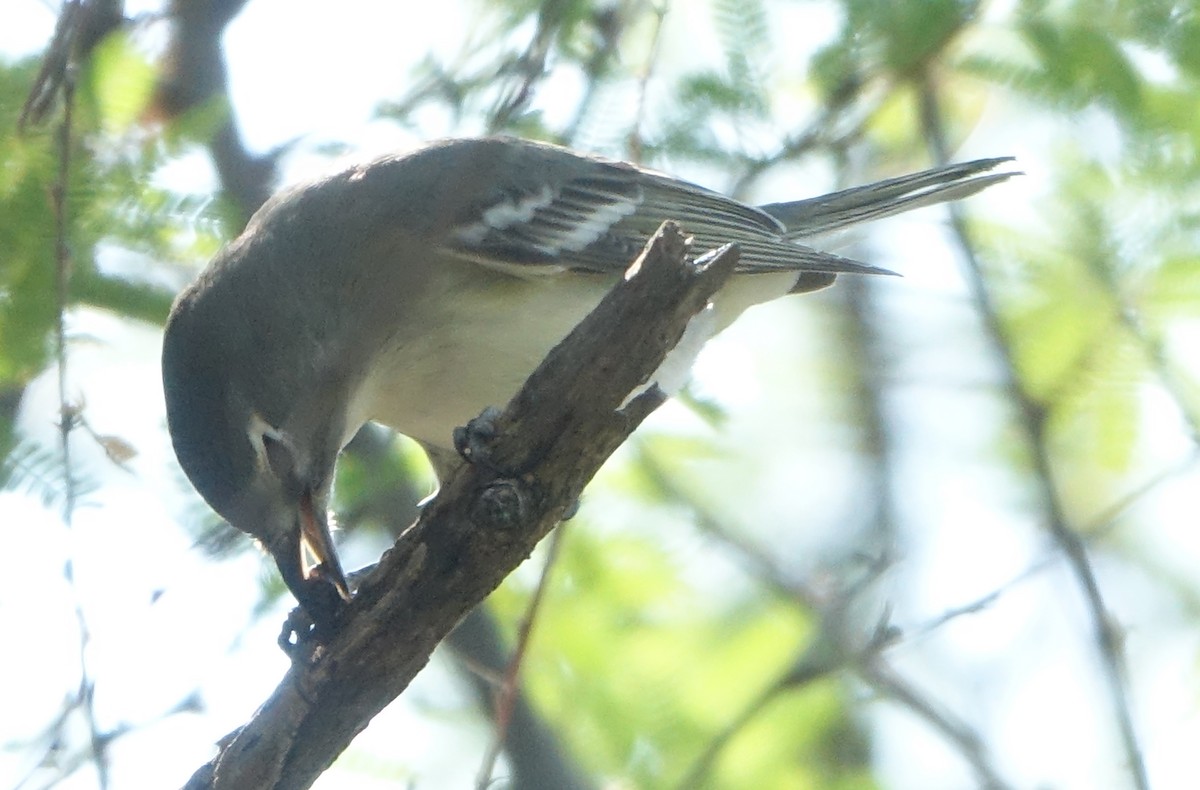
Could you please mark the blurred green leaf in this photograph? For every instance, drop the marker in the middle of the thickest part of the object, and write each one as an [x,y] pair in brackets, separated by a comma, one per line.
[1082,64]
[622,675]
[27,241]
[121,80]
[1175,288]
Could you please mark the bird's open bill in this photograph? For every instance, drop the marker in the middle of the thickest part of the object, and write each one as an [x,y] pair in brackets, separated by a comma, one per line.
[316,545]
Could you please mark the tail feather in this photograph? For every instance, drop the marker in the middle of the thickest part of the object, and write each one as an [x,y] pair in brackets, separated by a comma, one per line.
[763,256]
[839,210]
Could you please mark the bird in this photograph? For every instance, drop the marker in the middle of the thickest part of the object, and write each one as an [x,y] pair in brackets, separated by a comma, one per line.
[418,289]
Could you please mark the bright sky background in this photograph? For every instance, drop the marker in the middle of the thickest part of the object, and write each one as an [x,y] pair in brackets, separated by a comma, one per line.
[1048,718]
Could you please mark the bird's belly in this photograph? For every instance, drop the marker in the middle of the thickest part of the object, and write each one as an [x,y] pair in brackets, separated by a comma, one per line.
[475,350]
[480,341]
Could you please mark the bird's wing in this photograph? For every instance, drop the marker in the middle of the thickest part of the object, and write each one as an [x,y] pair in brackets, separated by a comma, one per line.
[600,217]
[839,210]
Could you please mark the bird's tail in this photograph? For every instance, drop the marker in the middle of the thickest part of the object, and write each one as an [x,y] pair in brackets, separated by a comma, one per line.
[805,219]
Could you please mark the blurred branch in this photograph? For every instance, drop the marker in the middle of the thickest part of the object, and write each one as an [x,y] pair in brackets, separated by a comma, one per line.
[1106,520]
[703,765]
[529,68]
[634,141]
[193,76]
[831,650]
[838,645]
[80,26]
[506,692]
[539,454]
[69,411]
[1033,423]
[880,677]
[871,365]
[759,563]
[866,339]
[984,601]
[610,25]
[536,755]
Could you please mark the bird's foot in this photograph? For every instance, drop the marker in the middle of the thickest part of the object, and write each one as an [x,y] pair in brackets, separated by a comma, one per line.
[316,620]
[296,637]
[473,440]
[473,443]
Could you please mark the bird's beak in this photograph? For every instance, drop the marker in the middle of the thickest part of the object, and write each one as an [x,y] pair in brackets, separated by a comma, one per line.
[318,544]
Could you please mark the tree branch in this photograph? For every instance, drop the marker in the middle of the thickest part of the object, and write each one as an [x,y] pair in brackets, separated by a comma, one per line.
[192,76]
[537,456]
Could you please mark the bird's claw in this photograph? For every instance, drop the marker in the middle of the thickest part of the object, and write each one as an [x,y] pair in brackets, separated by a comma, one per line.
[296,637]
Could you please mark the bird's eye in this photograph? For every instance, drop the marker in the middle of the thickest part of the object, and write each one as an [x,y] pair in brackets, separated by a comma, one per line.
[280,458]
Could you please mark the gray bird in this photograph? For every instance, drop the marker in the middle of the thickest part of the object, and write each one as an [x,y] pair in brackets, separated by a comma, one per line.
[418,289]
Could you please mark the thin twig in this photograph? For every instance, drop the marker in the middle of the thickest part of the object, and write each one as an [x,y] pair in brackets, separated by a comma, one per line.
[841,123]
[69,413]
[530,67]
[984,601]
[704,763]
[52,74]
[633,143]
[507,693]
[840,646]
[817,134]
[835,646]
[884,681]
[1105,521]
[1033,423]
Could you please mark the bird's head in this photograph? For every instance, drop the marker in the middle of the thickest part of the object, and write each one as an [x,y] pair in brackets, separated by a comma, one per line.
[248,443]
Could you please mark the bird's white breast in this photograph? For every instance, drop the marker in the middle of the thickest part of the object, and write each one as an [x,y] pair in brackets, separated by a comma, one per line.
[475,340]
